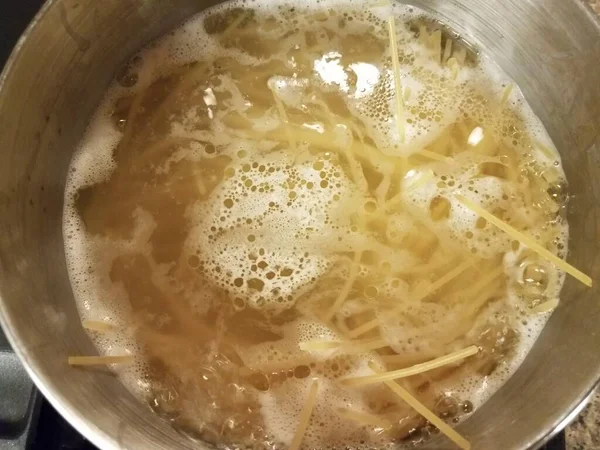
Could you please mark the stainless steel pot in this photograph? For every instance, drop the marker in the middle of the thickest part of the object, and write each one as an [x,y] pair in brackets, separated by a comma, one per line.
[56,78]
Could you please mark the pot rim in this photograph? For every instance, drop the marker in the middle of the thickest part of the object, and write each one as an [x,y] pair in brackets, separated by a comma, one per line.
[43,383]
[74,416]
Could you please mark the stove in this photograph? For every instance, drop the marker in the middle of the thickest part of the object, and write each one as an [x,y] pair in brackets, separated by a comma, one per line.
[27,421]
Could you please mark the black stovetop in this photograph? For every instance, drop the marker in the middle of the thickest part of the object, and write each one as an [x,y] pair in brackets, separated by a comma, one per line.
[27,421]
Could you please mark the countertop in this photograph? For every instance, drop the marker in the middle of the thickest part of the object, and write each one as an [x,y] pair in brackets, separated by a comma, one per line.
[584,432]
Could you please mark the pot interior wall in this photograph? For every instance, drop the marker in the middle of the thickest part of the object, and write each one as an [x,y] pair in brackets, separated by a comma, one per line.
[56,79]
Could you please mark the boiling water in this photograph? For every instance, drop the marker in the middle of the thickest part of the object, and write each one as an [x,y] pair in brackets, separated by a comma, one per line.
[255,180]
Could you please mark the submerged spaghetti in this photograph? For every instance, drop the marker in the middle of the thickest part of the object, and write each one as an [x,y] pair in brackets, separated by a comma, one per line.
[284,214]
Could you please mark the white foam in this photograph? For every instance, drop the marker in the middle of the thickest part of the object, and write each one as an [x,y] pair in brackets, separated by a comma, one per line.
[282,404]
[462,178]
[288,220]
[277,230]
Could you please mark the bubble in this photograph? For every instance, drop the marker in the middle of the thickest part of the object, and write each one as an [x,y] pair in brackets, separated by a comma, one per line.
[466,407]
[447,407]
[239,303]
[428,113]
[439,208]
[302,371]
[534,278]
[370,206]
[260,381]
[371,291]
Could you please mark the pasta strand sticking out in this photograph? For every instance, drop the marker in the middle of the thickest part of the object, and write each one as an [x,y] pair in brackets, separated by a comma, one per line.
[368,326]
[366,419]
[343,295]
[414,370]
[305,416]
[397,84]
[425,412]
[101,327]
[347,348]
[526,240]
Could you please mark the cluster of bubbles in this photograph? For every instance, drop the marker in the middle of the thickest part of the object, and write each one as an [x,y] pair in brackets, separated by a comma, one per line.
[259,236]
[282,403]
[449,216]
[265,233]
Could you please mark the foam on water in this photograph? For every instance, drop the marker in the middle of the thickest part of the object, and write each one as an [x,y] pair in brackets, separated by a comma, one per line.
[282,203]
[292,209]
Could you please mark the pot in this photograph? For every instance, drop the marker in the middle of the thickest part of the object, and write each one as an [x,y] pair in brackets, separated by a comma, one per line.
[56,78]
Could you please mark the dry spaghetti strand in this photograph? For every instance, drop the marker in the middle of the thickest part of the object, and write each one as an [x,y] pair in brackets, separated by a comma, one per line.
[366,419]
[343,295]
[368,326]
[426,413]
[305,416]
[397,85]
[526,240]
[414,370]
[100,327]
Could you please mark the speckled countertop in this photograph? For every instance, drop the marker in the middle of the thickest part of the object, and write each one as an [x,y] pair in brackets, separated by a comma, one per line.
[584,432]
